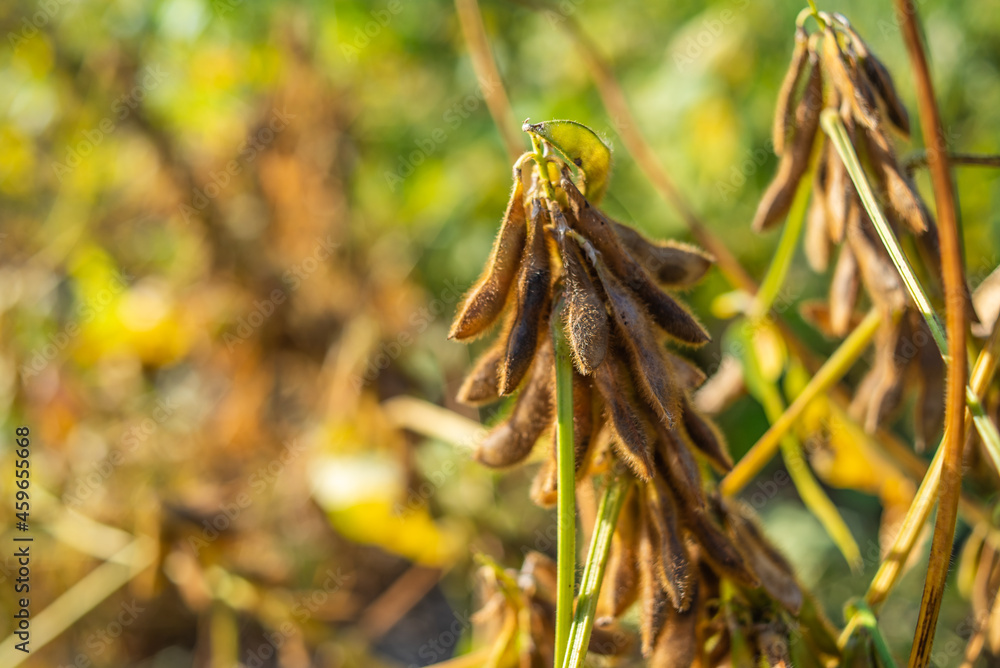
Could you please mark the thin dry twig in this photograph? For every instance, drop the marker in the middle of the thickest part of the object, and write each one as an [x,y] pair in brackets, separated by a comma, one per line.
[953,276]
[490,82]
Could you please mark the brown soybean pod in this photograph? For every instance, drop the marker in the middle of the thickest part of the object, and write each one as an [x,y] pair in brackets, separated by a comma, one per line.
[670,316]
[783,113]
[777,199]
[706,437]
[675,570]
[671,263]
[532,301]
[678,641]
[646,356]
[632,441]
[486,300]
[843,291]
[512,440]
[587,325]
[481,386]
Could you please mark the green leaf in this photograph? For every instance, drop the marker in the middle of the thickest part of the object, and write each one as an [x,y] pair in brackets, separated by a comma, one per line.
[580,146]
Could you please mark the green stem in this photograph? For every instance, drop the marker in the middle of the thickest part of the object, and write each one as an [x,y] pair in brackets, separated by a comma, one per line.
[593,572]
[566,490]
[834,127]
[860,615]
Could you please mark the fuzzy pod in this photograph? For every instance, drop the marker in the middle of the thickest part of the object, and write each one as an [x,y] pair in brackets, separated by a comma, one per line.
[631,441]
[881,390]
[656,604]
[784,114]
[900,191]
[878,273]
[843,292]
[849,82]
[486,300]
[929,247]
[669,315]
[587,326]
[877,74]
[512,440]
[706,437]
[533,301]
[777,199]
[482,385]
[681,473]
[646,356]
[840,191]
[773,646]
[685,373]
[776,575]
[677,644]
[674,567]
[671,263]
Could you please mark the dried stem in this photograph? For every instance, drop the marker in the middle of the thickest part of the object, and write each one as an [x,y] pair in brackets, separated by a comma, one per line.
[489,76]
[919,159]
[953,276]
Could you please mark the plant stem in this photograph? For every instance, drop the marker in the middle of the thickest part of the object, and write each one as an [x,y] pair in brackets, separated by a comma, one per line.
[828,375]
[487,74]
[566,518]
[860,615]
[834,128]
[593,572]
[920,509]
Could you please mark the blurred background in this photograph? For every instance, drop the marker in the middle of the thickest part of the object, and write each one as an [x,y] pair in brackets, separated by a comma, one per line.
[233,235]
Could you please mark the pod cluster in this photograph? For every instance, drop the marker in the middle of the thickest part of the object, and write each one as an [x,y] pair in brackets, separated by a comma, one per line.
[561,266]
[834,68]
